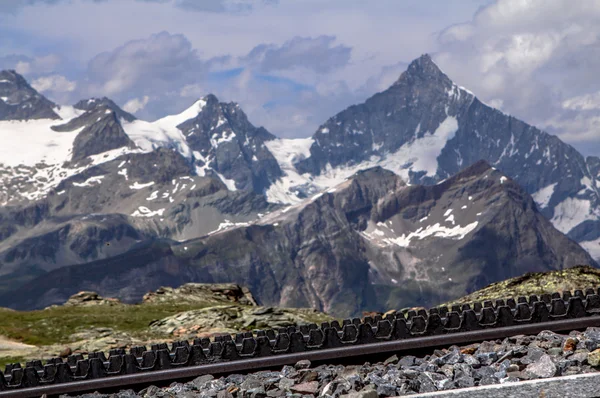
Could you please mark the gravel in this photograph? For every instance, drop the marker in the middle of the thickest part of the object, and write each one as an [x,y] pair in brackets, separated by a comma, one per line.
[513,359]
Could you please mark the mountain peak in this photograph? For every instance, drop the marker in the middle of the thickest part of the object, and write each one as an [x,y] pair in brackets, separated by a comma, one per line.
[94,104]
[211,99]
[422,68]
[20,101]
[11,76]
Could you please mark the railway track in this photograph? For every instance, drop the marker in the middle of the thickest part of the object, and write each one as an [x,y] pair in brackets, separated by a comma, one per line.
[352,338]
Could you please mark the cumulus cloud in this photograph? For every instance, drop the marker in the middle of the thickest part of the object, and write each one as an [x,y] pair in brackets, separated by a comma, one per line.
[31,65]
[161,63]
[136,104]
[318,54]
[584,102]
[56,83]
[538,59]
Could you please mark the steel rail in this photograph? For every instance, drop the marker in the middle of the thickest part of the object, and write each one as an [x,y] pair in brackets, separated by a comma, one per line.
[563,313]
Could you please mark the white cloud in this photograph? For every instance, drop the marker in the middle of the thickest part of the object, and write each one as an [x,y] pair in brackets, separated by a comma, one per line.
[136,104]
[537,59]
[23,67]
[158,63]
[56,83]
[584,102]
[318,54]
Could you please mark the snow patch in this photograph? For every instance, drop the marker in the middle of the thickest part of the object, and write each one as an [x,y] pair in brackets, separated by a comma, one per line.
[143,211]
[230,184]
[436,230]
[592,247]
[153,196]
[542,197]
[123,173]
[287,152]
[163,132]
[571,212]
[137,185]
[89,181]
[228,224]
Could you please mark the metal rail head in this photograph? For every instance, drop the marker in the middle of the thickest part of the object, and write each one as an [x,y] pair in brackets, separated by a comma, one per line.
[328,340]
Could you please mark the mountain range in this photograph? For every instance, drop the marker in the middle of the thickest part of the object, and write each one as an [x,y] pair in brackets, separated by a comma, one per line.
[421,194]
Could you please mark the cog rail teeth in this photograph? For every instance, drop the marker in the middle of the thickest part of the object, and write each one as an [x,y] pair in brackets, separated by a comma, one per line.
[329,340]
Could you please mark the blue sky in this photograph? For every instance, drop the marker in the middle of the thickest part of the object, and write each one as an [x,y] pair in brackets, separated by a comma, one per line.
[291,64]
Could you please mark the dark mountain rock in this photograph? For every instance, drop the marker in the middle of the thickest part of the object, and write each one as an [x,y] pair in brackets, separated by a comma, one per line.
[225,141]
[19,101]
[426,128]
[93,104]
[371,242]
[137,196]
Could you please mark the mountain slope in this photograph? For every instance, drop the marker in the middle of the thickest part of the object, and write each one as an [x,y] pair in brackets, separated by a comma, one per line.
[94,180]
[107,208]
[372,242]
[19,101]
[425,128]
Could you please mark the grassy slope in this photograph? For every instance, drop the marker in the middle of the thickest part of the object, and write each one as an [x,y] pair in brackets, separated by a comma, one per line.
[54,325]
[580,277]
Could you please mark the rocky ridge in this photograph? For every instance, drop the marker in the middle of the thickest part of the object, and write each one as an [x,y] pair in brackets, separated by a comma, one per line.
[19,101]
[370,243]
[188,311]
[538,283]
[426,128]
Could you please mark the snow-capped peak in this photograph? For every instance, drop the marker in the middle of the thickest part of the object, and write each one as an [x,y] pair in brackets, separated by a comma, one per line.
[189,113]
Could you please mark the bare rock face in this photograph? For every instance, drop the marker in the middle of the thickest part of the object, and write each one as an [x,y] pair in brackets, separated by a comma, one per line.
[223,319]
[202,292]
[372,243]
[19,101]
[85,298]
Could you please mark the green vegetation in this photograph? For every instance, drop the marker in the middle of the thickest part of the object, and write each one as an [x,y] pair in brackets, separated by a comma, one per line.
[580,277]
[54,325]
[6,360]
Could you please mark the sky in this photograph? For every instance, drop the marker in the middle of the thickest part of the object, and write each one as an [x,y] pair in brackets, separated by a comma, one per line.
[292,64]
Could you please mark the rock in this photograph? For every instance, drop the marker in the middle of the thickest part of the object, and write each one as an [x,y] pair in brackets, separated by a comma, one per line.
[555,351]
[593,358]
[306,388]
[302,364]
[202,292]
[201,381]
[391,360]
[361,394]
[224,394]
[405,361]
[250,383]
[570,344]
[65,352]
[286,383]
[581,358]
[221,319]
[464,382]
[85,298]
[533,355]
[386,390]
[276,393]
[470,349]
[543,367]
[307,376]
